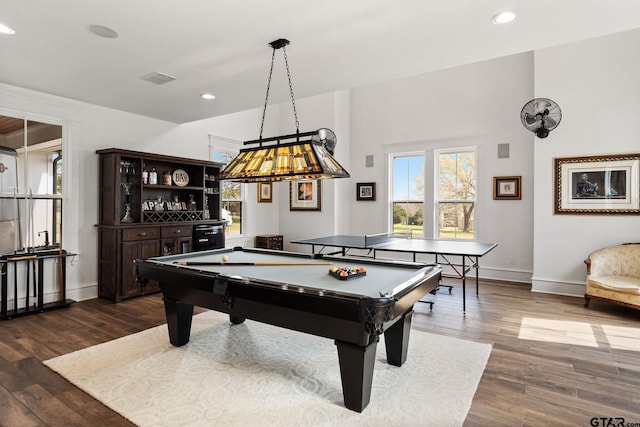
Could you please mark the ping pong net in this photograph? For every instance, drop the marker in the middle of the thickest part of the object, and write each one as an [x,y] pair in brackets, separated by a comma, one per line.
[371,240]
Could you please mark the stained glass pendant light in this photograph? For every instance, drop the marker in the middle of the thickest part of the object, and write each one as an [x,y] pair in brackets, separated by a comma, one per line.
[302,155]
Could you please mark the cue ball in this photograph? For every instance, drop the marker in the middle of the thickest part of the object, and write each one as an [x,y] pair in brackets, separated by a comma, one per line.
[225,258]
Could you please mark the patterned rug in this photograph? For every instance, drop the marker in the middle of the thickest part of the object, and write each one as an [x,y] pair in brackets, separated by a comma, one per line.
[260,375]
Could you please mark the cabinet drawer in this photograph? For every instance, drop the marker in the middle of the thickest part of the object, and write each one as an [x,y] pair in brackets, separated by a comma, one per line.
[177,231]
[143,233]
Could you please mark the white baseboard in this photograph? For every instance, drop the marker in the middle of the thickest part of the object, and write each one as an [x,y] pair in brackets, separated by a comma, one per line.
[549,286]
[509,275]
[83,293]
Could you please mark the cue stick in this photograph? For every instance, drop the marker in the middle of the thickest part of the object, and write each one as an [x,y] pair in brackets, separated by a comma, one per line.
[62,285]
[35,280]
[33,228]
[204,263]
[16,229]
[15,287]
[20,258]
[26,301]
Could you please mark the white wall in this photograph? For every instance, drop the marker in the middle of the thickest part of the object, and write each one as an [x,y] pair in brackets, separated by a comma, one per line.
[324,111]
[477,105]
[595,82]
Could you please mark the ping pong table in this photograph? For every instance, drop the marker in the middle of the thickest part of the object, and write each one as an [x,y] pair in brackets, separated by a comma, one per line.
[467,252]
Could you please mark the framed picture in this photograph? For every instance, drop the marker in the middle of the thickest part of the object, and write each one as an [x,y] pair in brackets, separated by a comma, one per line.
[604,184]
[305,195]
[366,191]
[507,187]
[264,192]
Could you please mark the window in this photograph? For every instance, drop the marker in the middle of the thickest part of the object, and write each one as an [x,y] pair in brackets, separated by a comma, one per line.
[232,207]
[442,207]
[31,170]
[231,196]
[456,193]
[408,194]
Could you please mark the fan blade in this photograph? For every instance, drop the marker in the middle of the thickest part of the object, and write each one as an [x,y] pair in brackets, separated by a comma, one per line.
[549,122]
[542,106]
[530,119]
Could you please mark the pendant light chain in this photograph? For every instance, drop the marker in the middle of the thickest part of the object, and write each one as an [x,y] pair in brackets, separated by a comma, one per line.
[293,101]
[266,99]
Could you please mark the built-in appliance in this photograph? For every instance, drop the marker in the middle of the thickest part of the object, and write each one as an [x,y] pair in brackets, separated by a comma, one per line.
[208,236]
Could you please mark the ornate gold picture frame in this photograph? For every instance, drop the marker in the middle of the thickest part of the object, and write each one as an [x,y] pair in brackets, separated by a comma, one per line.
[597,185]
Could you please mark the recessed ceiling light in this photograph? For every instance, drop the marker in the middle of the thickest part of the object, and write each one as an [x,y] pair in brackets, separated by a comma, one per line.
[503,18]
[6,30]
[102,31]
[207,96]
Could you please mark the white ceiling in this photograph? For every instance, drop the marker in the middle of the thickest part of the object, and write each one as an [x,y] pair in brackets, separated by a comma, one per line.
[222,46]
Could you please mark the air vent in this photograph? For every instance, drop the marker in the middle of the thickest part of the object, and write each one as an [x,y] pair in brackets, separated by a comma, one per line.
[158,78]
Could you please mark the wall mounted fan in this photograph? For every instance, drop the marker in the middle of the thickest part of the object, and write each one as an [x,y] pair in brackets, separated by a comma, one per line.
[327,137]
[540,116]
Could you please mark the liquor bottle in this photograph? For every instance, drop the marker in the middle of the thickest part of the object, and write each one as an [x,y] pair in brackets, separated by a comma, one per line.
[153,177]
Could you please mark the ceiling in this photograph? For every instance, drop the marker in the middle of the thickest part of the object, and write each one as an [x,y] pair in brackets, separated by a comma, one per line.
[12,133]
[222,46]
[10,125]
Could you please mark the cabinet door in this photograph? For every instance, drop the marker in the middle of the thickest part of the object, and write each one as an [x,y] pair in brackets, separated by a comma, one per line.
[130,252]
[174,246]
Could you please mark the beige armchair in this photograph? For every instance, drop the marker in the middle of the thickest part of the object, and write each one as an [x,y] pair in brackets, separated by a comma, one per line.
[613,275]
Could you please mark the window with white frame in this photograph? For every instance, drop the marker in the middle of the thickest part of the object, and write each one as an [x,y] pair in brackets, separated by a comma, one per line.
[407,194]
[455,193]
[232,207]
[232,195]
[446,184]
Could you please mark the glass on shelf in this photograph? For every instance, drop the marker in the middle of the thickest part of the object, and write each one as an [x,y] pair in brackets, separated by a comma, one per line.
[127,187]
[127,167]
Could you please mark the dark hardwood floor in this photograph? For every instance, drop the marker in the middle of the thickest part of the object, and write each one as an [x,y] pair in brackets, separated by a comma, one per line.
[553,362]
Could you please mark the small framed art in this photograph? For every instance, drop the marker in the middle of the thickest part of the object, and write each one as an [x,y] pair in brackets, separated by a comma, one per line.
[507,187]
[366,191]
[264,192]
[305,195]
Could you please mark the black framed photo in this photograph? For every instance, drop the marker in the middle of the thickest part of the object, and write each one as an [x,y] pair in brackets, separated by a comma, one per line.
[366,191]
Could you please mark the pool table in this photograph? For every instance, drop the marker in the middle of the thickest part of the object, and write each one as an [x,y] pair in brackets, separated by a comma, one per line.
[296,291]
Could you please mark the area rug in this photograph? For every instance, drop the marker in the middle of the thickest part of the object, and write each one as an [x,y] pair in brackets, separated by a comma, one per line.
[254,374]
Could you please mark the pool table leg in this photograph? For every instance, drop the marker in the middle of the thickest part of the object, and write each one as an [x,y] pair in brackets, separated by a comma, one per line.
[396,340]
[356,370]
[179,315]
